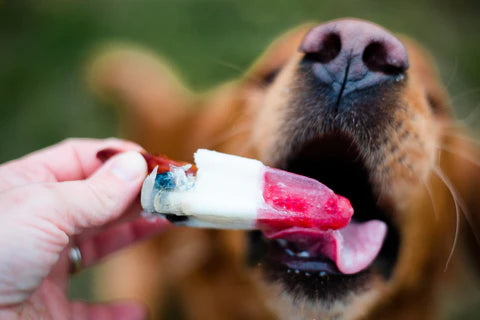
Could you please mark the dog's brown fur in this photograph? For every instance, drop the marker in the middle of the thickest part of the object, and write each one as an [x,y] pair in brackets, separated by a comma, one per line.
[200,274]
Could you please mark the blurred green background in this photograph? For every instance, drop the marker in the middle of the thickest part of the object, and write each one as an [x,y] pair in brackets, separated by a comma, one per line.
[45,45]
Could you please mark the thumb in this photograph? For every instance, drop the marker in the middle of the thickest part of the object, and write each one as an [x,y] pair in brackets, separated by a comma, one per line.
[102,197]
[113,311]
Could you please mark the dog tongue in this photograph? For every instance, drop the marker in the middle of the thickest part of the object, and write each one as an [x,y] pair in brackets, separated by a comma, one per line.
[352,248]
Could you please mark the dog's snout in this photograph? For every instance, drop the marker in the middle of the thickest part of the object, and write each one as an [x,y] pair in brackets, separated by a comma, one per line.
[354,54]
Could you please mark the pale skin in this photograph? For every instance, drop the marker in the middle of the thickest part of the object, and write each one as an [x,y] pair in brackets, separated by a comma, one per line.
[58,196]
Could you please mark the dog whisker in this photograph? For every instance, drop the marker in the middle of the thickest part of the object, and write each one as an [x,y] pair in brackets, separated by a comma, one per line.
[453,73]
[229,65]
[245,147]
[464,94]
[432,200]
[473,116]
[467,122]
[235,131]
[450,187]
[457,124]
[459,152]
[461,136]
[429,192]
[459,205]
[258,80]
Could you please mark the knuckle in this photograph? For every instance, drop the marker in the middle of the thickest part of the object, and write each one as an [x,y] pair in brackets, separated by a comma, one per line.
[114,140]
[51,206]
[104,195]
[69,142]
[123,144]
[18,172]
[73,143]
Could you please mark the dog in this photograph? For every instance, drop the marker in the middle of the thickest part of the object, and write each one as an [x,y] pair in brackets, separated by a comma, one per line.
[345,102]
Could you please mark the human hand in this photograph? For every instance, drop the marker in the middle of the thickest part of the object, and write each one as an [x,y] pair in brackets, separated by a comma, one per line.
[59,196]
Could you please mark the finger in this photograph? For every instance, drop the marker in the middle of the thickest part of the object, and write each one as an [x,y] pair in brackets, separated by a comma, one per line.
[133,212]
[77,205]
[113,311]
[72,159]
[118,237]
[75,159]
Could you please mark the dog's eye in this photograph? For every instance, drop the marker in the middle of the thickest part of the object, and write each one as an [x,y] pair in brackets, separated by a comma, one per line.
[270,77]
[436,105]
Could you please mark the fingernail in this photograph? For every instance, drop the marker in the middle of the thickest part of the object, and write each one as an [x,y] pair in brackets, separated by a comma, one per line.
[129,166]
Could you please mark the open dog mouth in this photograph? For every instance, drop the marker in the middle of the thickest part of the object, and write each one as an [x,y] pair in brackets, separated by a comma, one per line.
[334,258]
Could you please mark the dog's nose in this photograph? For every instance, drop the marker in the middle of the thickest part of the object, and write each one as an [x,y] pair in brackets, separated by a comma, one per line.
[353,54]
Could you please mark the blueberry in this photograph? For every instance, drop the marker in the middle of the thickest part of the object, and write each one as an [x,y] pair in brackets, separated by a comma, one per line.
[165,181]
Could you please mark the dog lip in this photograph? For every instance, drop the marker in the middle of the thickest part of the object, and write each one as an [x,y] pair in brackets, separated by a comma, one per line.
[334,158]
[312,265]
[318,264]
[287,254]
[352,248]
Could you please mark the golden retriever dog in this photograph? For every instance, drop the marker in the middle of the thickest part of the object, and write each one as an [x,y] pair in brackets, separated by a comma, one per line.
[345,102]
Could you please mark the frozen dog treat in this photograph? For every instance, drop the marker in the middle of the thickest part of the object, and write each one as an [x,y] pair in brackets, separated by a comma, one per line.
[230,192]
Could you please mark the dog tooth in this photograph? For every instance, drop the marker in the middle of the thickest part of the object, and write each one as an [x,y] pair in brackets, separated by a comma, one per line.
[303,254]
[282,242]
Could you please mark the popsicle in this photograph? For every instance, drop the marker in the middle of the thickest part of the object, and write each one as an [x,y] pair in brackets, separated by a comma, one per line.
[230,192]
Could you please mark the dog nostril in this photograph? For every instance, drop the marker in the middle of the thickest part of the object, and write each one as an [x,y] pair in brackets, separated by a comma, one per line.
[350,54]
[377,58]
[328,49]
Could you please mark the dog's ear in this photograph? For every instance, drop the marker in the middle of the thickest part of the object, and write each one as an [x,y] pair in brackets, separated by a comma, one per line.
[153,102]
[163,116]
